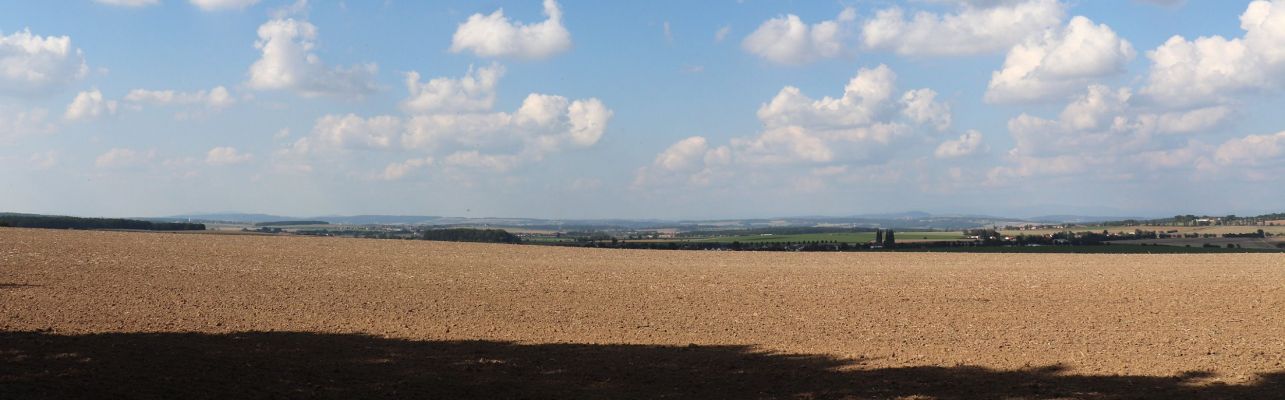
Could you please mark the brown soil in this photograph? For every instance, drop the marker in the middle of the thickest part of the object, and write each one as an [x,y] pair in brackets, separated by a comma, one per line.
[149,315]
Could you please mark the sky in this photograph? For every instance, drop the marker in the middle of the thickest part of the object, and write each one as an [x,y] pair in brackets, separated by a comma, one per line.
[660,109]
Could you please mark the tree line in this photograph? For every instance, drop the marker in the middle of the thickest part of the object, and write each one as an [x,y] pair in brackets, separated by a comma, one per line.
[63,222]
[470,235]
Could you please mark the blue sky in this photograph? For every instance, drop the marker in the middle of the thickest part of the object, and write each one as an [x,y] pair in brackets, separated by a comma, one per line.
[590,109]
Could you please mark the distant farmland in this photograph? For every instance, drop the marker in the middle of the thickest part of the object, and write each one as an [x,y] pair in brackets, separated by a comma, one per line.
[1212,230]
[842,237]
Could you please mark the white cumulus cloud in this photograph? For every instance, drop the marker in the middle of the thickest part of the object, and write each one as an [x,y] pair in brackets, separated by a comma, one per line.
[922,107]
[451,121]
[90,105]
[1105,133]
[542,125]
[473,92]
[1059,62]
[399,170]
[788,40]
[976,28]
[288,63]
[1251,150]
[226,156]
[684,155]
[865,97]
[354,132]
[967,144]
[33,64]
[790,144]
[830,135]
[494,35]
[690,159]
[1215,69]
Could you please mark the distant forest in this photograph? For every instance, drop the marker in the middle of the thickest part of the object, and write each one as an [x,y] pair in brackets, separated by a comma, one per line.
[62,222]
[470,235]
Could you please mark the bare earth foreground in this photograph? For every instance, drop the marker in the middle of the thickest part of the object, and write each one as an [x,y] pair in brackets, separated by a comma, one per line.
[150,315]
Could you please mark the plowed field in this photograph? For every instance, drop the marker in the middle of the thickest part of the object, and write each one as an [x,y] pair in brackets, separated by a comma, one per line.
[154,315]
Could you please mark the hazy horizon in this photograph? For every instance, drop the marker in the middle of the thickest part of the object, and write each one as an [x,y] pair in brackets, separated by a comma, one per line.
[216,215]
[668,110]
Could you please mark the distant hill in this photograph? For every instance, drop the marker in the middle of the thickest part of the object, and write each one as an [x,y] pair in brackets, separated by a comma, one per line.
[1076,219]
[225,217]
[379,219]
[249,218]
[901,215]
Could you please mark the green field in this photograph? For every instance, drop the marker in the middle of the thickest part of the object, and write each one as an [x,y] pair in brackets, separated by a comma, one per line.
[847,237]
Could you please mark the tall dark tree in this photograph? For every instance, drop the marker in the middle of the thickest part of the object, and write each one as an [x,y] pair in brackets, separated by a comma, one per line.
[879,237]
[890,239]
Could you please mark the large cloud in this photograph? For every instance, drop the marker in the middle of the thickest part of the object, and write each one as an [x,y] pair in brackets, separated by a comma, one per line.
[494,35]
[866,97]
[976,28]
[1216,69]
[788,40]
[33,64]
[1104,132]
[287,62]
[828,134]
[1106,120]
[1058,62]
[450,123]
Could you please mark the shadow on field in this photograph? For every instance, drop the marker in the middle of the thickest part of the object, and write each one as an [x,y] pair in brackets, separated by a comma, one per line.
[36,365]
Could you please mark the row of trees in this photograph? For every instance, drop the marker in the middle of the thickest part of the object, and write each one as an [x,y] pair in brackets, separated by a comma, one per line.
[470,235]
[61,222]
[442,235]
